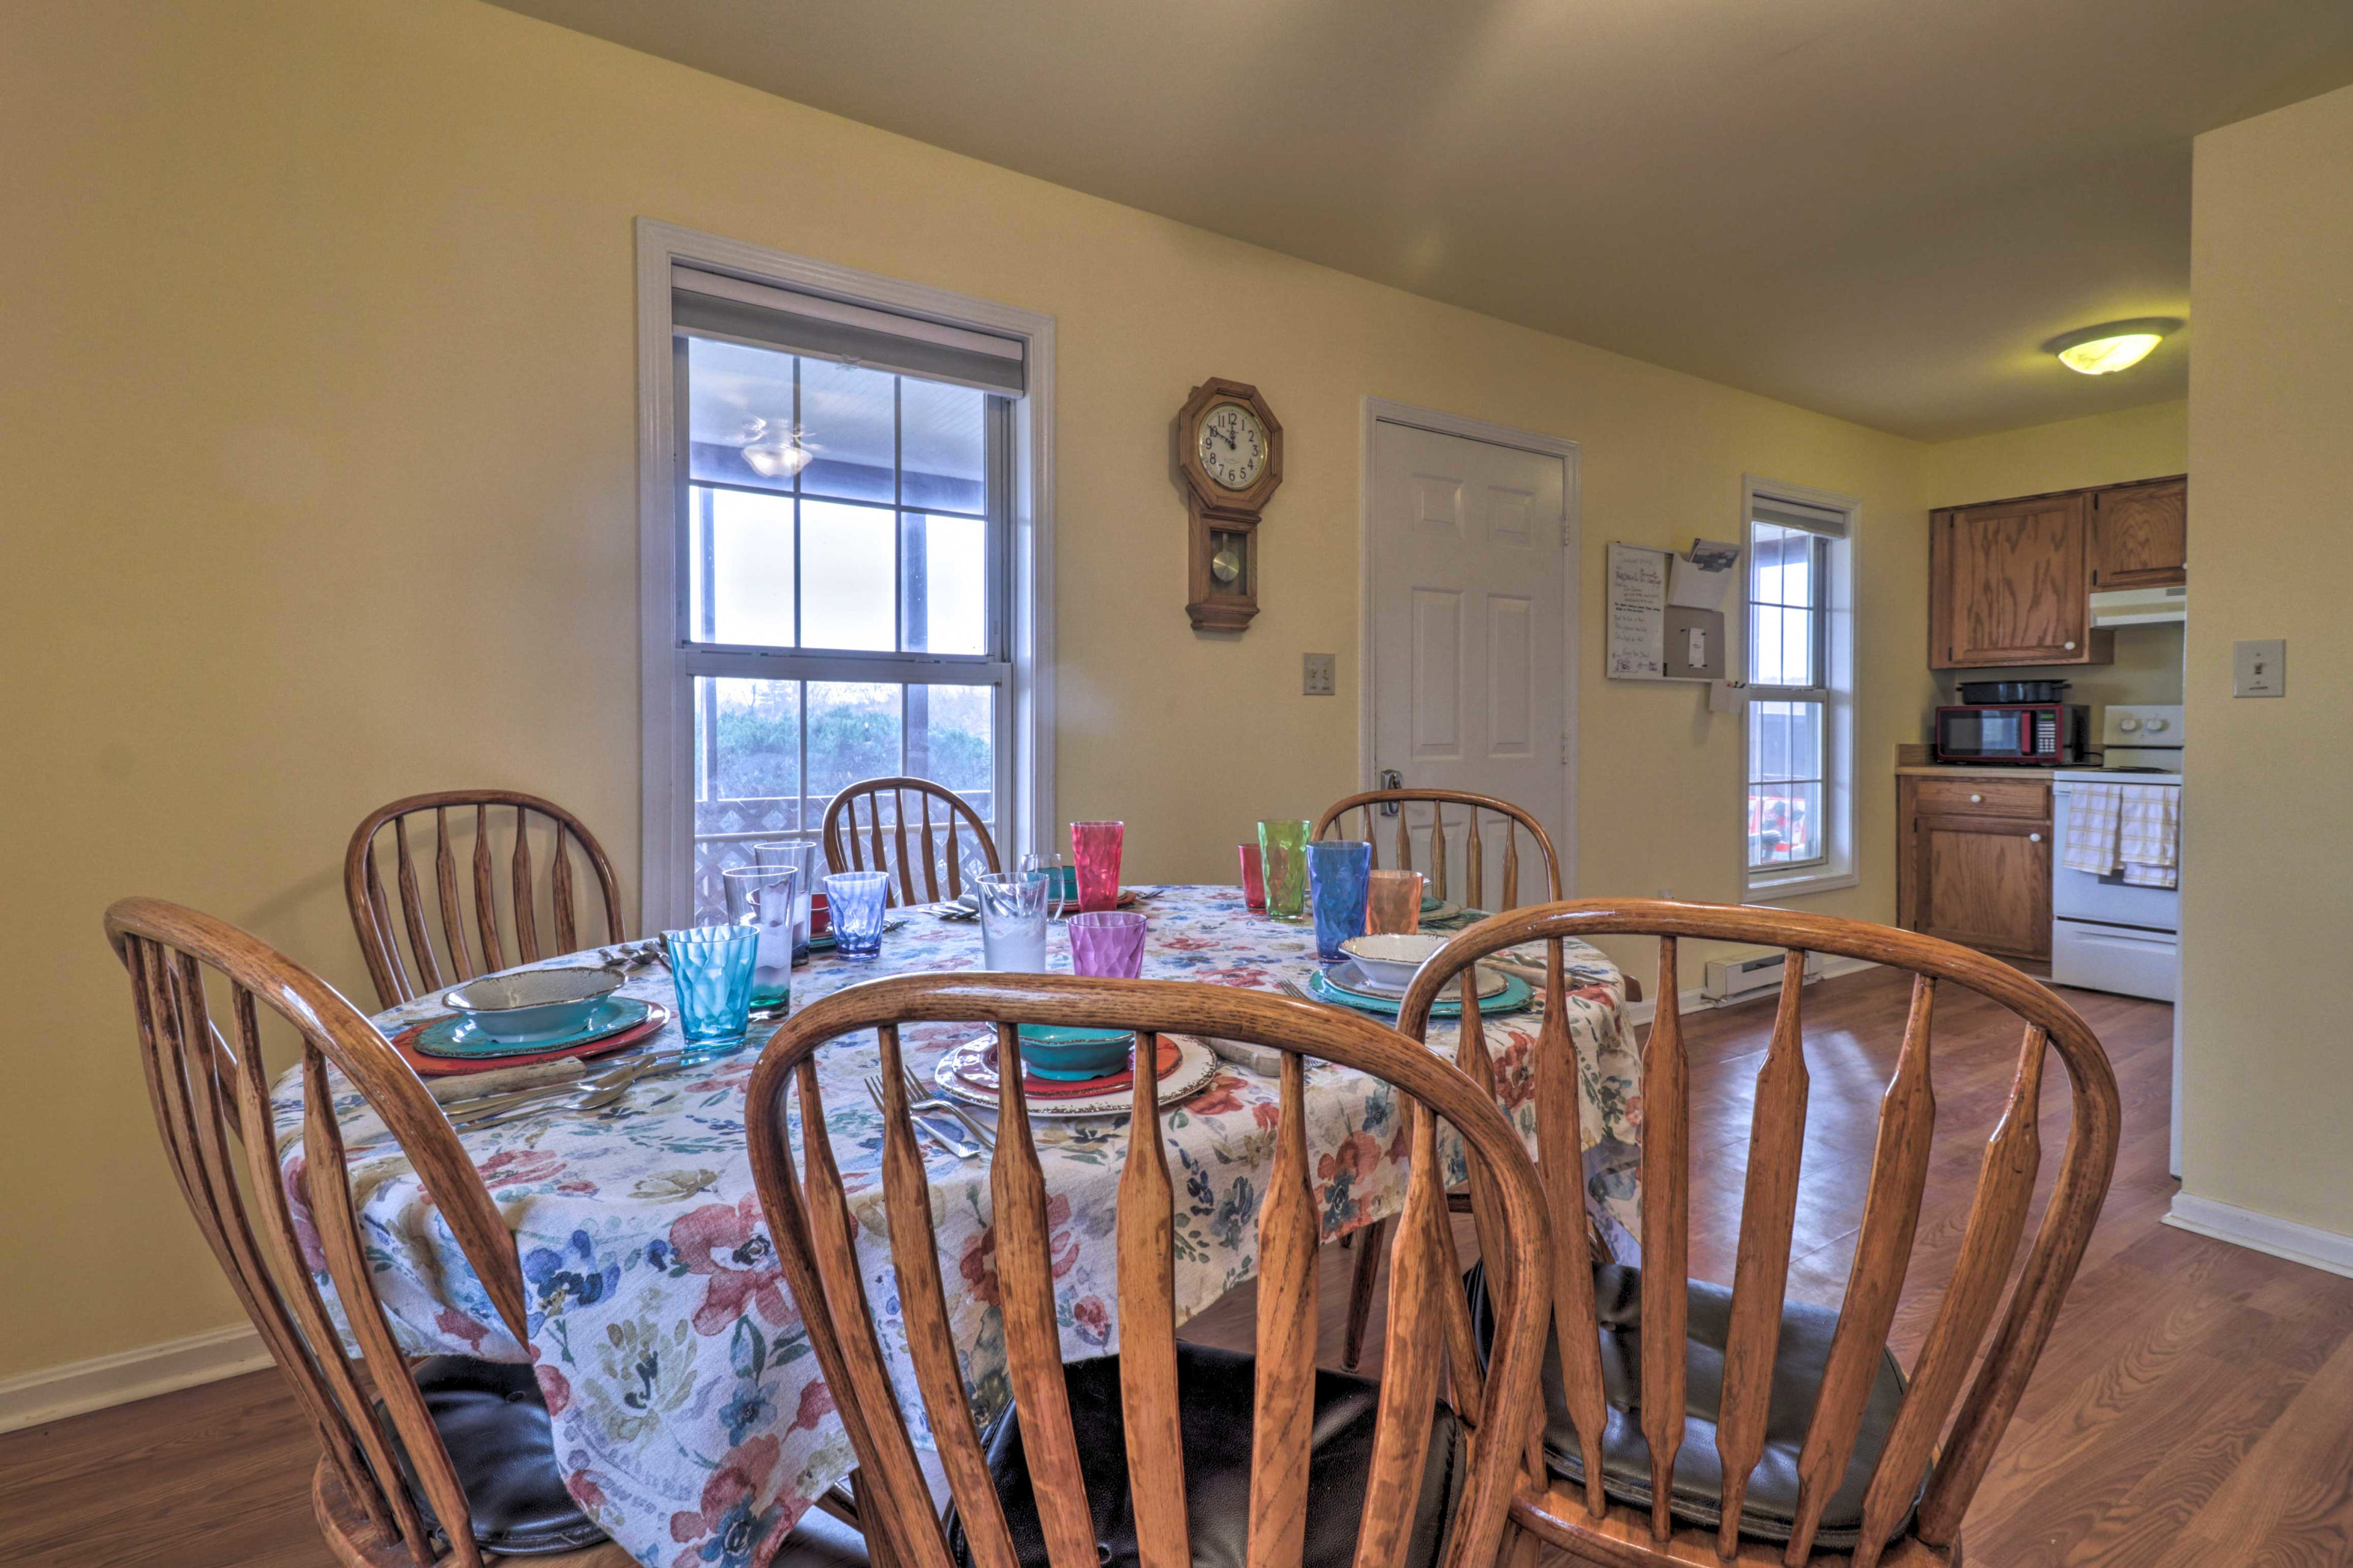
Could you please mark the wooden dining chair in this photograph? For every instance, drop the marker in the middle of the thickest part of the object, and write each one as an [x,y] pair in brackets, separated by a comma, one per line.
[472,819]
[1511,822]
[1373,820]
[1167,1454]
[1690,1423]
[438,1462]
[879,843]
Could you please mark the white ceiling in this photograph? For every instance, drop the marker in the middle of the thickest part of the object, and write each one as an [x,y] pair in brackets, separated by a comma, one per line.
[1876,208]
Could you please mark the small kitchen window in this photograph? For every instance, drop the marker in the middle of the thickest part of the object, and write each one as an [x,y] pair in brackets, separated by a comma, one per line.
[1798,745]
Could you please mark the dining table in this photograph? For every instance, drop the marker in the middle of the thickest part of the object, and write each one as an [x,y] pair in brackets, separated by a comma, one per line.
[688,1414]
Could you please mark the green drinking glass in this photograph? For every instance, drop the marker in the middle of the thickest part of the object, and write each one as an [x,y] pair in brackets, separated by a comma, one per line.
[1283,851]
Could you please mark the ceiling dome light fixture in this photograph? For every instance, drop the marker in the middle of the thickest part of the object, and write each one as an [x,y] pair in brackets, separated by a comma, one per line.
[774,450]
[2112,345]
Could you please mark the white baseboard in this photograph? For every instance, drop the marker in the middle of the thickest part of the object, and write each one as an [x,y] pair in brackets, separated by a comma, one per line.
[2305,1243]
[1833,966]
[58,1392]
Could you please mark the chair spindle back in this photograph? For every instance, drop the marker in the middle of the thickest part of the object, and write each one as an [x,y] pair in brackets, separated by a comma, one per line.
[211,1098]
[1882,1253]
[809,1217]
[441,916]
[933,861]
[1375,809]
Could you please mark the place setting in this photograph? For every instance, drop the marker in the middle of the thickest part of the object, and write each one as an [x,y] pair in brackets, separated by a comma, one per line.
[1369,942]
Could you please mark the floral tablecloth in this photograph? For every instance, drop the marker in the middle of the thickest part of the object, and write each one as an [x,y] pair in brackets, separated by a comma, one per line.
[690,1418]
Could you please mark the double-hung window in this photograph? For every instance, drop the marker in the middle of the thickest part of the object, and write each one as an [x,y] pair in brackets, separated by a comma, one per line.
[1800,724]
[840,568]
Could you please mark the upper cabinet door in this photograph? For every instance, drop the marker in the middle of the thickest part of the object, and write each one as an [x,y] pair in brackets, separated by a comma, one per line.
[2010,583]
[2140,535]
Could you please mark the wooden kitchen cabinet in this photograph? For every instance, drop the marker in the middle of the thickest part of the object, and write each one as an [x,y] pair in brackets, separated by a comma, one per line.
[2010,582]
[2140,535]
[1974,860]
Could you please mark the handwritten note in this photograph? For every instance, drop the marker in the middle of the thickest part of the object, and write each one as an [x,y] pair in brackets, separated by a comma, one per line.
[1638,612]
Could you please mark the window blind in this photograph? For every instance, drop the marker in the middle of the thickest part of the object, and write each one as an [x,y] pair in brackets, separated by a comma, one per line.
[1800,515]
[710,304]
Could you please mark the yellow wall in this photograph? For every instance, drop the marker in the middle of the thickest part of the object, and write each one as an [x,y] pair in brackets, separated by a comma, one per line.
[316,426]
[2266,899]
[2144,443]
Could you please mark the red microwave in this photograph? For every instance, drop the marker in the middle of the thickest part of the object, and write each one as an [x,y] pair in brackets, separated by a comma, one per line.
[2033,734]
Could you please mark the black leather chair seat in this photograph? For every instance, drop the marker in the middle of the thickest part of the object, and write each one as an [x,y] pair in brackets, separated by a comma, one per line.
[495,1424]
[502,1443]
[1215,1398]
[1769,1511]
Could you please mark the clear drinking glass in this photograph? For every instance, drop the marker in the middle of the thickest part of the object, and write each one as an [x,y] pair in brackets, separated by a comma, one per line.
[856,900]
[1253,878]
[1013,921]
[1095,845]
[1283,852]
[1062,888]
[763,897]
[711,967]
[1339,874]
[1394,904]
[1107,943]
[800,853]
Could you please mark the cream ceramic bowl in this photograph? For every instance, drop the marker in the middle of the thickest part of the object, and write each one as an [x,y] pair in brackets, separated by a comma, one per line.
[1391,959]
[531,1004]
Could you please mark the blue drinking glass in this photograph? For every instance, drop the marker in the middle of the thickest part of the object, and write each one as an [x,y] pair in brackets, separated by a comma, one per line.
[1339,878]
[711,967]
[856,901]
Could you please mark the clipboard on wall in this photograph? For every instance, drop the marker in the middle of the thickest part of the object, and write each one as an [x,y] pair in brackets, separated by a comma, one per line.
[1664,619]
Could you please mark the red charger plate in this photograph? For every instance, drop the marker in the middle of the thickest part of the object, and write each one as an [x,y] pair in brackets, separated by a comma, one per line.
[430,1065]
[976,1063]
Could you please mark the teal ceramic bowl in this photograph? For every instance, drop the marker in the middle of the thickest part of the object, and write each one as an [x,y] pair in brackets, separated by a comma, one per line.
[532,1005]
[1072,1055]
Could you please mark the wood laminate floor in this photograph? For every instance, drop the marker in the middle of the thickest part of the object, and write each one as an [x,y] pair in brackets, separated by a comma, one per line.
[2195,1405]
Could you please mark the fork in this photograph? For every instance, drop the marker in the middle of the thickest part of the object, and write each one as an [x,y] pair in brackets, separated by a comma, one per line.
[925,1098]
[956,1146]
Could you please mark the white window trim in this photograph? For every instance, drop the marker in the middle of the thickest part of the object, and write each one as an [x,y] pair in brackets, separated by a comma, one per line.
[1840,702]
[666,801]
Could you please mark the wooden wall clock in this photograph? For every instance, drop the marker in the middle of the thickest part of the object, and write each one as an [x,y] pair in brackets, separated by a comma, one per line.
[1229,447]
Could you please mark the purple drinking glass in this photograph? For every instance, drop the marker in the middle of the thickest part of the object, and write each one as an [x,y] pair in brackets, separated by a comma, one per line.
[1095,846]
[1107,943]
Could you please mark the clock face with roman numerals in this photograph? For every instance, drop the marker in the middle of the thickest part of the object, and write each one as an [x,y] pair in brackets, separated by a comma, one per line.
[1232,446]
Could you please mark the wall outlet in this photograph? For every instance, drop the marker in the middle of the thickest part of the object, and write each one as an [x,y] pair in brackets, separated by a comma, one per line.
[2259,669]
[1321,676]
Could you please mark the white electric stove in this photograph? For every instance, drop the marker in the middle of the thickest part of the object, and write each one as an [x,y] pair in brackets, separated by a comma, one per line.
[2107,935]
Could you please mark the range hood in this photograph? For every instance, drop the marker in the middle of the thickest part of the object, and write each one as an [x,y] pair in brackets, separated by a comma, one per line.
[2140,606]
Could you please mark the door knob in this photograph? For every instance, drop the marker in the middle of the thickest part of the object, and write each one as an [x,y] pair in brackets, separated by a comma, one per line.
[2034,838]
[1391,779]
[2071,647]
[1977,800]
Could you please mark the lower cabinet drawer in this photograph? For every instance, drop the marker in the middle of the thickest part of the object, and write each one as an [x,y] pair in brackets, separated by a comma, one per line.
[2028,798]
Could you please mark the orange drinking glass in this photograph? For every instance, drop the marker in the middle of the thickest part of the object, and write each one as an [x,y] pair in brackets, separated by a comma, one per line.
[1394,907]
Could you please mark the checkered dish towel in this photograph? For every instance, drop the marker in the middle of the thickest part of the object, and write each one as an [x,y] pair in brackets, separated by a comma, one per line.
[2148,835]
[2137,827]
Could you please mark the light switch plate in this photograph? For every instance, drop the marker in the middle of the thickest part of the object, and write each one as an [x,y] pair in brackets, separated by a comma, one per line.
[1321,676]
[2259,669]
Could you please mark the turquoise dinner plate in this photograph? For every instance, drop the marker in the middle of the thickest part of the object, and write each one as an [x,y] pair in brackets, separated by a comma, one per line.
[457,1036]
[1510,999]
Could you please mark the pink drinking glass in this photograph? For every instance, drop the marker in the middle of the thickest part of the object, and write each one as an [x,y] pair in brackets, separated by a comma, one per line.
[1107,943]
[1094,847]
[1253,878]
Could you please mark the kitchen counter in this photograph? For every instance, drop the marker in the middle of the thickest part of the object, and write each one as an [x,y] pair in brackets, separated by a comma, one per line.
[1966,771]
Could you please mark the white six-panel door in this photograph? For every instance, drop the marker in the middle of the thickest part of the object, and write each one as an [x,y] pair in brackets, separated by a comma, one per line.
[1470,629]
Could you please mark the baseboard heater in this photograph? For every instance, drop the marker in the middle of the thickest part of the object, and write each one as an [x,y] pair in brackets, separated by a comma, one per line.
[1737,979]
